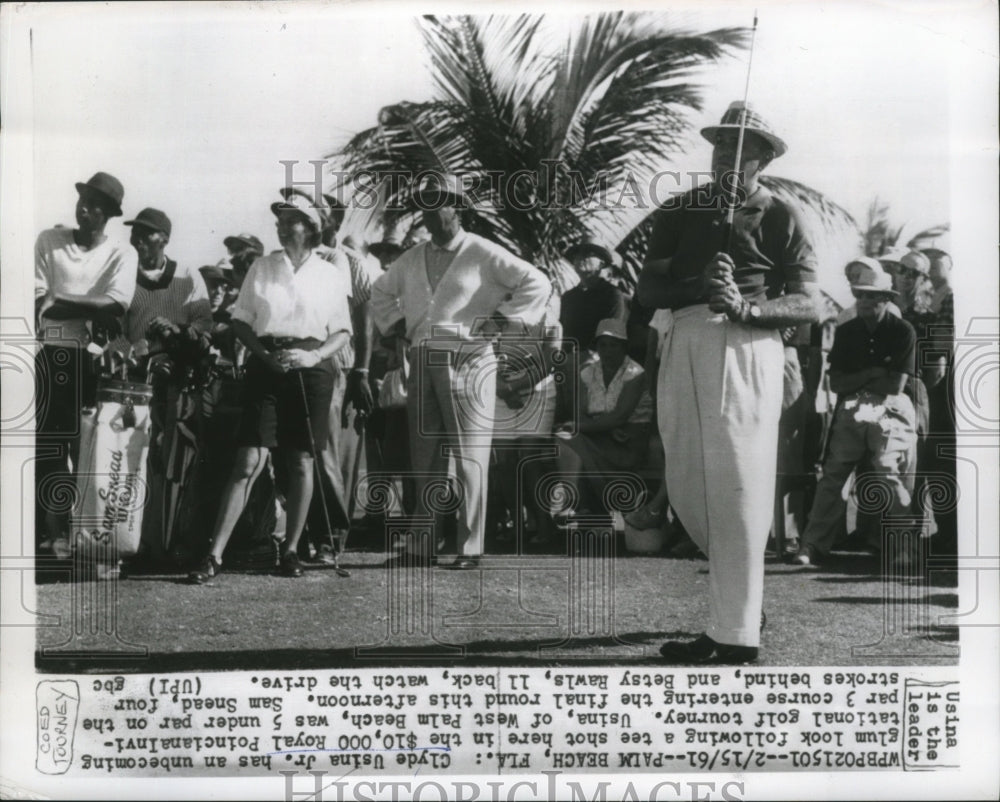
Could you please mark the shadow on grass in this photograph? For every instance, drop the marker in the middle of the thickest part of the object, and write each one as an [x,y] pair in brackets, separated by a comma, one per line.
[473,654]
[949,600]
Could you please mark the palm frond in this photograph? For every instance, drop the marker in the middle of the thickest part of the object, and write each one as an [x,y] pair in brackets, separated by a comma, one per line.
[623,60]
[880,234]
[833,217]
[588,116]
[928,237]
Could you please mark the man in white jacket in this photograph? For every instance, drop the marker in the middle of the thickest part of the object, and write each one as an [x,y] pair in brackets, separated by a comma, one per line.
[449,298]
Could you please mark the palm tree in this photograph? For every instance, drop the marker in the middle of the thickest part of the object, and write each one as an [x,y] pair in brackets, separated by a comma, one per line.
[880,234]
[559,132]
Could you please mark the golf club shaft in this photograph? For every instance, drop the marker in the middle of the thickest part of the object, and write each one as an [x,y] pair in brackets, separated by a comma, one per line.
[731,211]
[318,473]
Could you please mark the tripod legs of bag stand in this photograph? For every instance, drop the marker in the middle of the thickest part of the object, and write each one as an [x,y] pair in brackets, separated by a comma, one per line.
[319,480]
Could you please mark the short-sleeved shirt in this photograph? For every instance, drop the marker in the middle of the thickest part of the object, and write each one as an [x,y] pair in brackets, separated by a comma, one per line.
[278,301]
[890,345]
[770,246]
[583,308]
[63,266]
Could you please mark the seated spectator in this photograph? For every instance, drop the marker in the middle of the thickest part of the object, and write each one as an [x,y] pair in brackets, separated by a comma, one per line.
[613,429]
[871,358]
[655,512]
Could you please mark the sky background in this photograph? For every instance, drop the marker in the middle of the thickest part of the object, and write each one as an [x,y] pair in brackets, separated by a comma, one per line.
[194,105]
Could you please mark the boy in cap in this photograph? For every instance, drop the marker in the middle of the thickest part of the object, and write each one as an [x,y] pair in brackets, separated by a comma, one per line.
[170,317]
[871,358]
[731,292]
[170,300]
[82,278]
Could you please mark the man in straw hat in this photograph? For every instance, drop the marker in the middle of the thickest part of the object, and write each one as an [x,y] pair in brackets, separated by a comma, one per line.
[871,358]
[731,289]
[449,298]
[292,315]
[82,278]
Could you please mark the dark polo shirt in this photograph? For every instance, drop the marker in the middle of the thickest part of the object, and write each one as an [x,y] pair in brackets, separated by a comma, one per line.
[582,309]
[769,244]
[891,345]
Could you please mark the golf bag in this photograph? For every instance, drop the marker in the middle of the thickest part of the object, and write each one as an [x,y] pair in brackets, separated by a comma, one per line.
[111,476]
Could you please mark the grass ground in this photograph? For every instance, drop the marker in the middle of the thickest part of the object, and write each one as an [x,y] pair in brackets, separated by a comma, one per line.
[530,610]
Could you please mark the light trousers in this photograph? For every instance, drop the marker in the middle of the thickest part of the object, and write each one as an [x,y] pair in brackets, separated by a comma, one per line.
[879,430]
[718,405]
[451,399]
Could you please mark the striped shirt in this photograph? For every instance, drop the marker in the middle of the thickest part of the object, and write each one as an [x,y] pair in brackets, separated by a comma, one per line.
[362,275]
[179,295]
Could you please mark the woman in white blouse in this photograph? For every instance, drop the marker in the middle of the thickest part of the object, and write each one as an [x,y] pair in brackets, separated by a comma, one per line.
[615,412]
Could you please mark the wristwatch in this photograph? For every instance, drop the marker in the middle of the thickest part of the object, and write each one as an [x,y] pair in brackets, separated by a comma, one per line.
[747,313]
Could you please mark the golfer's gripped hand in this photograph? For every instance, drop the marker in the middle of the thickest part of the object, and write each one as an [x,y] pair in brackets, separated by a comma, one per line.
[357,394]
[719,269]
[726,300]
[724,295]
[297,359]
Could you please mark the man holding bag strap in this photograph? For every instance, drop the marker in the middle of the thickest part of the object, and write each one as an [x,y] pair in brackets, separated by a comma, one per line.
[83,278]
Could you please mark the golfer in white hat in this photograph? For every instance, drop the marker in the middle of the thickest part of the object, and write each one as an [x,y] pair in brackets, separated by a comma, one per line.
[293,316]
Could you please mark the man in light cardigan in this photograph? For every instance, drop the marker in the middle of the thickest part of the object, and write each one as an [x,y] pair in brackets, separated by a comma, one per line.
[449,298]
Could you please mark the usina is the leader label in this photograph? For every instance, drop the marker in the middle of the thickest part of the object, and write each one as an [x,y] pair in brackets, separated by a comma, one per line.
[57,703]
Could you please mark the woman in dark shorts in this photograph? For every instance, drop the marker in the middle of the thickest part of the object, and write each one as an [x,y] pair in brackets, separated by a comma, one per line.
[292,315]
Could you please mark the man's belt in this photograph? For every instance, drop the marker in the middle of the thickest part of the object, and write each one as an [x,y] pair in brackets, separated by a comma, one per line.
[288,343]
